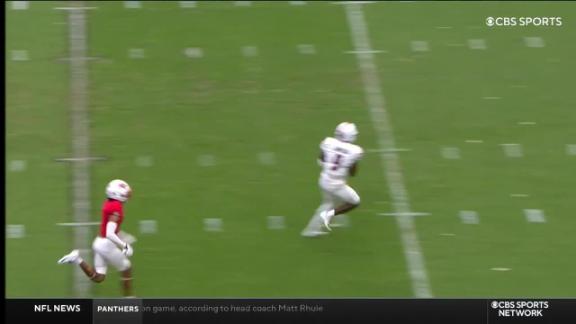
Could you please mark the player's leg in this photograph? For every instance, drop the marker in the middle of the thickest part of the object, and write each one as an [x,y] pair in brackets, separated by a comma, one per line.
[89,271]
[349,201]
[126,278]
[314,227]
[124,266]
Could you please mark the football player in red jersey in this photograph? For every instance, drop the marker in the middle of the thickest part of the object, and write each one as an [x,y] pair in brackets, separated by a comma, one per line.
[108,247]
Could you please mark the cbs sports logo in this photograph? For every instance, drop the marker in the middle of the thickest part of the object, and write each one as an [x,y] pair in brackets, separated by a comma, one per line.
[524,21]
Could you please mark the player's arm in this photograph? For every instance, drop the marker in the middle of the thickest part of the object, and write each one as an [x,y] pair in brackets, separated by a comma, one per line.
[111,227]
[353,169]
[321,158]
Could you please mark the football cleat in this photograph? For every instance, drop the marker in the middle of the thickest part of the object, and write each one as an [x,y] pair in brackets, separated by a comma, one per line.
[326,219]
[71,257]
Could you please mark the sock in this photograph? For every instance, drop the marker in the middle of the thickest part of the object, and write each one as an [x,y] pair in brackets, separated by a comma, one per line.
[330,213]
[78,260]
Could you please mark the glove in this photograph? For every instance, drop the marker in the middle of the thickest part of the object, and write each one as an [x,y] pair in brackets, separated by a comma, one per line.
[127,250]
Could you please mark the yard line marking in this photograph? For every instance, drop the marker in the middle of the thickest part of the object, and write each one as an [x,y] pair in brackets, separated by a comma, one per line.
[297,3]
[451,153]
[365,51]
[80,136]
[512,150]
[193,52]
[419,46]
[390,150]
[477,44]
[474,141]
[148,226]
[15,231]
[277,90]
[213,224]
[187,4]
[75,8]
[306,49]
[404,60]
[79,224]
[353,2]
[144,161]
[534,42]
[469,217]
[89,58]
[249,51]
[390,161]
[81,159]
[267,158]
[534,216]
[443,27]
[404,214]
[500,269]
[570,149]
[17,166]
[20,5]
[132,4]
[136,53]
[519,195]
[206,160]
[447,234]
[491,98]
[276,223]
[527,123]
[20,55]
[242,3]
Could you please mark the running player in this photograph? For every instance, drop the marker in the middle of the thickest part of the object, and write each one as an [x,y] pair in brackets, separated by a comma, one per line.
[108,247]
[339,159]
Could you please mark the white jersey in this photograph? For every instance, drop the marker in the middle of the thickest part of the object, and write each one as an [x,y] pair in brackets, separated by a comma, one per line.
[338,158]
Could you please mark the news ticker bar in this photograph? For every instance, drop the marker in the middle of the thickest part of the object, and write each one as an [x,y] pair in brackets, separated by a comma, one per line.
[144,311]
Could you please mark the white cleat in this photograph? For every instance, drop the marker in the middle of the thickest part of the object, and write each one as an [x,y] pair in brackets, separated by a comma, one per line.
[326,219]
[307,233]
[70,257]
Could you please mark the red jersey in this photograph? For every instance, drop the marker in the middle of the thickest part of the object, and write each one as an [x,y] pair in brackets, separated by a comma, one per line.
[111,207]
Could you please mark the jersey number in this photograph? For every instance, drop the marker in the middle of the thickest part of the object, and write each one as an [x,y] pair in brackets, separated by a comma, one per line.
[336,162]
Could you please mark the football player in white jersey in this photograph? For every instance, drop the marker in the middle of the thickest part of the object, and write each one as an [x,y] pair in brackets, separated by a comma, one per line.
[339,159]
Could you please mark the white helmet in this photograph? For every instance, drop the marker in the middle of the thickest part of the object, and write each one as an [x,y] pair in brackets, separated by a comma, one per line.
[346,132]
[118,190]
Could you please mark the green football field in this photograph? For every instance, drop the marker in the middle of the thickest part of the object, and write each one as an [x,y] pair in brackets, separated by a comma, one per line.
[213,112]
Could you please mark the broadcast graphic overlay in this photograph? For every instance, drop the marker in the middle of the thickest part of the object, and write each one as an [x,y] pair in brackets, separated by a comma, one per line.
[148,311]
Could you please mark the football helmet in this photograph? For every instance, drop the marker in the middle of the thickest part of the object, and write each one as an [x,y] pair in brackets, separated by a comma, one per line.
[118,190]
[346,132]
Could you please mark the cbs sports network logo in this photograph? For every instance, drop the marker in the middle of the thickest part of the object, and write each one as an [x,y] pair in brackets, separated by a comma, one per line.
[513,21]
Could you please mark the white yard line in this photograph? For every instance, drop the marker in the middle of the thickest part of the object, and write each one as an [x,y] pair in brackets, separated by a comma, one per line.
[371,51]
[77,224]
[353,2]
[20,5]
[75,8]
[388,150]
[80,137]
[405,214]
[81,159]
[390,161]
